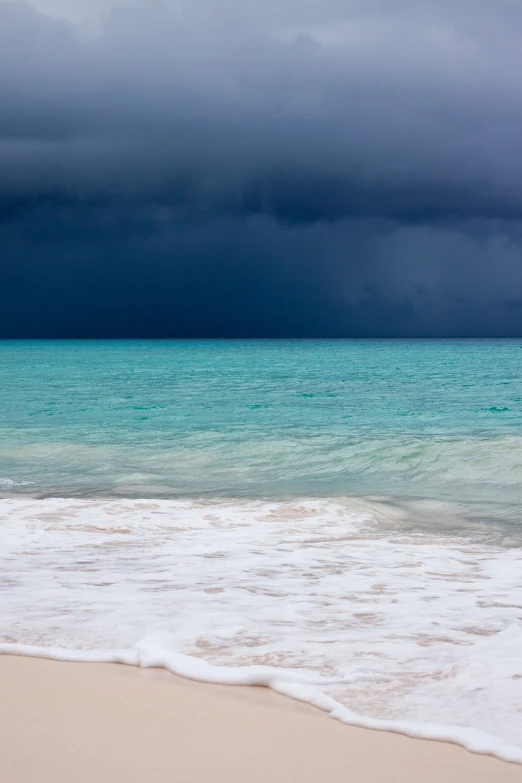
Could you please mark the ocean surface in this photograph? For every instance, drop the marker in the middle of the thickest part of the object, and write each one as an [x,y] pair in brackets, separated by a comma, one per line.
[340,520]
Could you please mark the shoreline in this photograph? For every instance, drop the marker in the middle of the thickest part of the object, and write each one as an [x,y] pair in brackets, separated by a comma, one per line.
[80,722]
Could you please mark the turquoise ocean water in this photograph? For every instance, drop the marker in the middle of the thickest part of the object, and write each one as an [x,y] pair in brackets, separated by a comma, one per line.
[438,421]
[347,513]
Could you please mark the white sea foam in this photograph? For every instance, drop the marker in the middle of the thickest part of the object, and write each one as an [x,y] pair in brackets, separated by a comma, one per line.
[327,602]
[151,652]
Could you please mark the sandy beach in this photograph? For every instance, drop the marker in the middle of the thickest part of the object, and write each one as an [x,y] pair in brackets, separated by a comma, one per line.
[79,723]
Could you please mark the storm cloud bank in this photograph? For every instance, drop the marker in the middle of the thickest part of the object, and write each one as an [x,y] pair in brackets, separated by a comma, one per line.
[291,168]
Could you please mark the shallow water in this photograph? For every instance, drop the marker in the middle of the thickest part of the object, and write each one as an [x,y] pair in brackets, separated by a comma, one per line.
[346,508]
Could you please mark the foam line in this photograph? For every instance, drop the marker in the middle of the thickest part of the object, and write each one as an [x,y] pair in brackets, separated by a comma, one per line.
[295,684]
[128,657]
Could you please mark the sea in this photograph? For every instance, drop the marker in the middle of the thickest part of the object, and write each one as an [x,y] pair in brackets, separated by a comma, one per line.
[340,520]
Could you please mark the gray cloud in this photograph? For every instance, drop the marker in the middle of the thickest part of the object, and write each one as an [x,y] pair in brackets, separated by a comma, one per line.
[305,111]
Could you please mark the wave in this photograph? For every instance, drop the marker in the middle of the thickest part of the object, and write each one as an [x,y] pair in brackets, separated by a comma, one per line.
[403,615]
[255,464]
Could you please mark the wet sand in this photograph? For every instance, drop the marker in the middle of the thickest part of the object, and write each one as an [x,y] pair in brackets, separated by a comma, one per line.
[108,723]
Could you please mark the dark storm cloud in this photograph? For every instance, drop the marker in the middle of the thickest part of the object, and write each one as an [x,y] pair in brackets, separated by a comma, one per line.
[277,168]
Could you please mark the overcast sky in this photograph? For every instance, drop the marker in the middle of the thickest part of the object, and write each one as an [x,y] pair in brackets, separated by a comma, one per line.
[247,168]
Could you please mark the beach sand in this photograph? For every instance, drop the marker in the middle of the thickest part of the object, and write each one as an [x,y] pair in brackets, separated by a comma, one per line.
[108,723]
